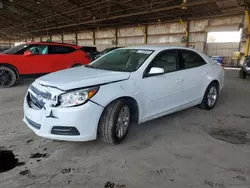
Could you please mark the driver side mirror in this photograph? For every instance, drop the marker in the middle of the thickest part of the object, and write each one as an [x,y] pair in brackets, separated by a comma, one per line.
[28,53]
[156,70]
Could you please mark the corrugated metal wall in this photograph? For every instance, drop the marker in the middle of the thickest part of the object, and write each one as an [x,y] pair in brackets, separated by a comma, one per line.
[56,38]
[168,34]
[130,36]
[69,38]
[85,38]
[161,34]
[197,34]
[224,49]
[4,43]
[105,38]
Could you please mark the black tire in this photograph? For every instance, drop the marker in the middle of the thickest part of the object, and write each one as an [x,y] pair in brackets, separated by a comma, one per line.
[107,129]
[7,77]
[76,65]
[242,74]
[204,104]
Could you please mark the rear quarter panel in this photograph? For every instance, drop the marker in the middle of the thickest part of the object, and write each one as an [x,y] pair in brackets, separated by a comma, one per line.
[80,57]
[215,72]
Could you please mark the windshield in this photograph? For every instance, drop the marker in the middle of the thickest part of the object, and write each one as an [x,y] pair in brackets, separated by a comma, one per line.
[125,60]
[15,49]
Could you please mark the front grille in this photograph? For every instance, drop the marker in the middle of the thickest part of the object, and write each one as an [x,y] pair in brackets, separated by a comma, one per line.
[33,124]
[32,99]
[40,93]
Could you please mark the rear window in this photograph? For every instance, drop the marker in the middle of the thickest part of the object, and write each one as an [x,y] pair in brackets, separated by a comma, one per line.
[191,59]
[61,50]
[89,49]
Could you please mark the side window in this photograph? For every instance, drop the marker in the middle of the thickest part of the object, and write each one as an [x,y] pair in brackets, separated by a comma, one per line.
[166,60]
[21,51]
[58,50]
[39,49]
[36,49]
[70,49]
[191,59]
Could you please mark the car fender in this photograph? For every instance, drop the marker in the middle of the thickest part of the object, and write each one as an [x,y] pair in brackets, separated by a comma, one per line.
[110,92]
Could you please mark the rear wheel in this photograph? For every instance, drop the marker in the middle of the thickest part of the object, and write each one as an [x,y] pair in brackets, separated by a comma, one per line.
[242,74]
[7,77]
[114,122]
[211,96]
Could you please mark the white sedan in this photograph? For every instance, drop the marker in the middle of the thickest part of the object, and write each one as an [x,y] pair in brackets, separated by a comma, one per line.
[126,86]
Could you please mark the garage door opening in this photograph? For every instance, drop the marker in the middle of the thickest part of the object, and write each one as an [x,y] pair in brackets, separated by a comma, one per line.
[226,36]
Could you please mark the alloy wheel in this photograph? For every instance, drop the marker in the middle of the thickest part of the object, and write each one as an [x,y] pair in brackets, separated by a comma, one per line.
[123,121]
[5,77]
[212,96]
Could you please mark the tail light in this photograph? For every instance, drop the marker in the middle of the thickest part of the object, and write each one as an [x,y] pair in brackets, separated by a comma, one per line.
[222,65]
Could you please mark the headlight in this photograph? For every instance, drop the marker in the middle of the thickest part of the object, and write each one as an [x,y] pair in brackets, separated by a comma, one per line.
[77,97]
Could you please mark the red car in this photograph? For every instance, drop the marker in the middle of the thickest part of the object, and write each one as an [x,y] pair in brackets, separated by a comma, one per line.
[38,58]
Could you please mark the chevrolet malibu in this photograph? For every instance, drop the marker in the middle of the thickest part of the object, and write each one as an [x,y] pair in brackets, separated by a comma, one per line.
[126,86]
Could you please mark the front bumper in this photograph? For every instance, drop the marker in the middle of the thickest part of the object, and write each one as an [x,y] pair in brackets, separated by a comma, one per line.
[84,119]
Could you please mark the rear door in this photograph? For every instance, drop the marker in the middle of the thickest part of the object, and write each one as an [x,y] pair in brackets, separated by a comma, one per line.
[193,75]
[61,57]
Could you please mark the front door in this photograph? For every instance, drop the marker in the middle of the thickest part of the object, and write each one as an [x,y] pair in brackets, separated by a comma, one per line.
[162,92]
[38,62]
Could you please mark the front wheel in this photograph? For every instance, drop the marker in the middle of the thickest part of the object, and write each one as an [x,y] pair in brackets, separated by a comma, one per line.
[114,122]
[211,96]
[7,77]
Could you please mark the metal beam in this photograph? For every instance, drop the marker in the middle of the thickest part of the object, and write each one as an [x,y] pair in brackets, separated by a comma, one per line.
[94,37]
[50,7]
[116,37]
[248,37]
[76,37]
[145,34]
[133,14]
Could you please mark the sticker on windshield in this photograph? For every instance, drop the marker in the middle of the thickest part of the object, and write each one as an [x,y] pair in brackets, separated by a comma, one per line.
[144,52]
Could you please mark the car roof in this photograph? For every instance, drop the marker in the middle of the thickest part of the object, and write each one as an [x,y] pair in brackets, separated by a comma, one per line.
[56,43]
[157,48]
[88,47]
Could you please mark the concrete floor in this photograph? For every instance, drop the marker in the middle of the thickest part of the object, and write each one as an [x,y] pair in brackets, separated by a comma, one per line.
[175,151]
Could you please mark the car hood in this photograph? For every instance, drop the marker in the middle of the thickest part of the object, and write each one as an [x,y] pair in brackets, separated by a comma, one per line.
[81,77]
